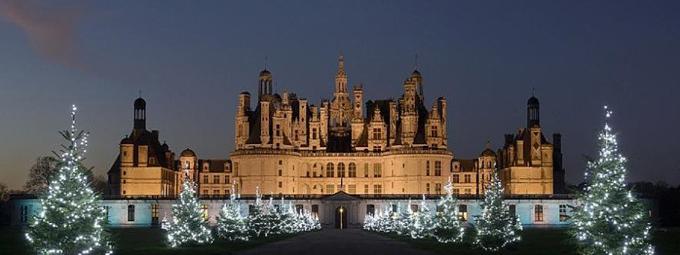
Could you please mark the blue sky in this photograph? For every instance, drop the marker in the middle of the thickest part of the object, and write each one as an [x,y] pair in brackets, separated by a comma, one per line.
[190,59]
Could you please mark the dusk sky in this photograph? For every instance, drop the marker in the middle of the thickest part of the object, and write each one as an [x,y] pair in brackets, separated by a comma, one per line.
[190,59]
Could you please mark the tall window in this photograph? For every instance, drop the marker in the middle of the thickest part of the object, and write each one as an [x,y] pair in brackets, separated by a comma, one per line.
[370,209]
[538,213]
[329,170]
[513,210]
[205,178]
[313,133]
[366,170]
[377,189]
[154,213]
[352,170]
[427,168]
[467,178]
[366,189]
[352,188]
[341,170]
[563,213]
[315,210]
[278,130]
[456,178]
[377,170]
[437,188]
[462,212]
[216,179]
[226,179]
[131,212]
[437,168]
[377,133]
[427,188]
[330,188]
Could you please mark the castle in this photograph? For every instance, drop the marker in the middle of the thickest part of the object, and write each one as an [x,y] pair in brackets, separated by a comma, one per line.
[287,146]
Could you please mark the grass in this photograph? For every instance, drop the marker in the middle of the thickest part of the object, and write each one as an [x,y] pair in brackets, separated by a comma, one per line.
[538,241]
[142,241]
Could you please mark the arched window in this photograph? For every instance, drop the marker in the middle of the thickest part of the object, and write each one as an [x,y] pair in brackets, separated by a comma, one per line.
[352,170]
[329,170]
[341,170]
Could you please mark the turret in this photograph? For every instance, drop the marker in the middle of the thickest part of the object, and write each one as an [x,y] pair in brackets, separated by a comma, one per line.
[140,114]
[532,112]
[265,84]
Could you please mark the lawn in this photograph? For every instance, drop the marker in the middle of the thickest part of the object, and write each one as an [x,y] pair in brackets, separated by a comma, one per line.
[539,241]
[142,241]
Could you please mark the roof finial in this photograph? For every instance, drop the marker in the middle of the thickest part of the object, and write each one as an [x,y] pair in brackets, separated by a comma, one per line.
[533,91]
[341,61]
[265,62]
[140,93]
[415,65]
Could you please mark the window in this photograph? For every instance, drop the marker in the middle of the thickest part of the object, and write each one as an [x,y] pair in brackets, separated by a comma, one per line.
[456,178]
[377,170]
[437,168]
[366,189]
[131,213]
[313,133]
[456,191]
[227,192]
[437,188]
[297,136]
[377,189]
[330,188]
[154,213]
[24,213]
[366,170]
[377,133]
[513,210]
[538,213]
[226,179]
[216,192]
[315,210]
[433,131]
[352,188]
[462,212]
[352,170]
[563,213]
[280,162]
[204,211]
[299,209]
[278,130]
[370,209]
[205,179]
[329,170]
[280,184]
[468,191]
[427,168]
[427,188]
[341,170]
[280,172]
[467,178]
[216,179]
[205,192]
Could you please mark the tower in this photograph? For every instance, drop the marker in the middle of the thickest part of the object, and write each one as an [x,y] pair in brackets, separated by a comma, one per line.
[341,76]
[265,84]
[532,112]
[140,114]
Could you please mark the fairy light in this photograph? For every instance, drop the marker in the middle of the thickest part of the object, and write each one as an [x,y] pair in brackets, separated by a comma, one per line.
[70,219]
[496,227]
[187,225]
[608,218]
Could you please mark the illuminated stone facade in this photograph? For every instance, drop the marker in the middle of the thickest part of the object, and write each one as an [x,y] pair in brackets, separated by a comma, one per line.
[286,146]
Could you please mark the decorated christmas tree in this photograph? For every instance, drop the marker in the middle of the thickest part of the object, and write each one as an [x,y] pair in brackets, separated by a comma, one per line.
[609,220]
[264,220]
[231,225]
[496,227]
[188,226]
[447,227]
[290,221]
[402,219]
[71,218]
[422,222]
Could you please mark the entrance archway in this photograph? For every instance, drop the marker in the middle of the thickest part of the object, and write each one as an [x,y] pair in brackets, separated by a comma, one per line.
[341,217]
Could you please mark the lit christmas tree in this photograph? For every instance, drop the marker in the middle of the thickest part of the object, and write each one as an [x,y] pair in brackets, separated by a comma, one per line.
[231,225]
[71,218]
[290,222]
[187,225]
[609,220]
[263,218]
[496,227]
[422,222]
[402,219]
[447,227]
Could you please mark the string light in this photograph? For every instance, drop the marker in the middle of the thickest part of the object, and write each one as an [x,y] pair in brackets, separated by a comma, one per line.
[71,217]
[496,227]
[608,218]
[188,225]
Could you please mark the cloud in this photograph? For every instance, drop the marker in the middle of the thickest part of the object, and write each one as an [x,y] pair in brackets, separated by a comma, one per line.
[51,31]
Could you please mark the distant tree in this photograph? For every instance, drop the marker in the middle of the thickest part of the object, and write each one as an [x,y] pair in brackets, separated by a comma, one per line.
[4,192]
[40,174]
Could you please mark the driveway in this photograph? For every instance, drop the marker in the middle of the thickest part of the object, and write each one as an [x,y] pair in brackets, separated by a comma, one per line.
[337,242]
